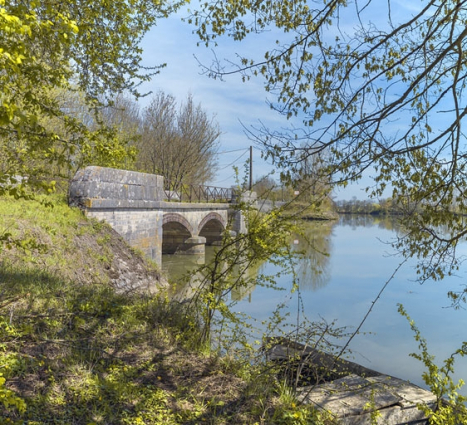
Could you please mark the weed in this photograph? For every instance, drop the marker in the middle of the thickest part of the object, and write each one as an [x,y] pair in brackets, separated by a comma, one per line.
[450,407]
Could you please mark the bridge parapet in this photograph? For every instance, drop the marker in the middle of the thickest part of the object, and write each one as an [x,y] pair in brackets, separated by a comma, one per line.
[198,193]
[100,187]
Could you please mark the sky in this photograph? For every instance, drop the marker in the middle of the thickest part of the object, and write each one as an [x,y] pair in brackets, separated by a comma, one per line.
[234,104]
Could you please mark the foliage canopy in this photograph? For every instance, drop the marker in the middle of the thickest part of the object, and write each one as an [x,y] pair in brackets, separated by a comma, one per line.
[48,46]
[379,86]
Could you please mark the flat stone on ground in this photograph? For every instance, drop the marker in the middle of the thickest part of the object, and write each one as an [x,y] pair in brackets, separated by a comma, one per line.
[352,399]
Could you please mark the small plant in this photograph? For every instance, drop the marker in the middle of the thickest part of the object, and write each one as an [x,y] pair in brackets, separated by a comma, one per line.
[450,408]
[9,399]
[370,406]
[233,269]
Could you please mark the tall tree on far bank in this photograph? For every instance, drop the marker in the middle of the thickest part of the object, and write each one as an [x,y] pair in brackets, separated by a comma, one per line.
[310,175]
[179,144]
[265,187]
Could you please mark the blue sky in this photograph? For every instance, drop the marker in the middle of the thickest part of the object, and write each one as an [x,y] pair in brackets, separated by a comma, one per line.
[232,102]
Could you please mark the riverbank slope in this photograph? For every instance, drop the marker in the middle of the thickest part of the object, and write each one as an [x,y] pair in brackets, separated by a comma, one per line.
[88,335]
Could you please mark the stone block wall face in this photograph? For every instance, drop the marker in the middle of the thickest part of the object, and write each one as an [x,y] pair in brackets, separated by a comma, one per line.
[239,224]
[94,187]
[142,229]
[129,201]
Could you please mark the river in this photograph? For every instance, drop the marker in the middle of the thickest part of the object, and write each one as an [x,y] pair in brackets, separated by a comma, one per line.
[340,277]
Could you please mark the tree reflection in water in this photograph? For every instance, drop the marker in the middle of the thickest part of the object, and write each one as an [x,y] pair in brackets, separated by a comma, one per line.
[313,269]
[315,244]
[368,220]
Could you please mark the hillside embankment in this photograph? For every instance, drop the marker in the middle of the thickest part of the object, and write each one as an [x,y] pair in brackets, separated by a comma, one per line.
[60,241]
[88,335]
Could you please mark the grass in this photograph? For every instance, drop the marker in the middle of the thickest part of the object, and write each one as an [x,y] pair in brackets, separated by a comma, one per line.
[74,350]
[46,239]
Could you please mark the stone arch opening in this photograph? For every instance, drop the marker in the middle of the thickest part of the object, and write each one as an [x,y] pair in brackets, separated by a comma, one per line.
[212,227]
[175,231]
[174,235]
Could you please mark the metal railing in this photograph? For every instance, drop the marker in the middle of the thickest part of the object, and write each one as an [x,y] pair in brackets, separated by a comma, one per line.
[198,193]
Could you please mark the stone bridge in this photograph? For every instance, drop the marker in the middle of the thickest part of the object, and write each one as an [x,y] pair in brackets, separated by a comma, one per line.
[134,204]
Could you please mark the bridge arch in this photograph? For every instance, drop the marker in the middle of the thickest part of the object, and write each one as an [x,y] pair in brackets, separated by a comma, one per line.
[211,227]
[176,230]
[177,218]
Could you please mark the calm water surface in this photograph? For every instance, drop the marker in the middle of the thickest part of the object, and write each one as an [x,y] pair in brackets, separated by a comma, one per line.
[343,284]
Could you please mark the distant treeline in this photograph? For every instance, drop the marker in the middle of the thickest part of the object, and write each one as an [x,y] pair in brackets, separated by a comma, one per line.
[357,206]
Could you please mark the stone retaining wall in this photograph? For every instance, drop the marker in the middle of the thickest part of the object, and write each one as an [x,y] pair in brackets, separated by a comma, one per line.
[100,187]
[129,201]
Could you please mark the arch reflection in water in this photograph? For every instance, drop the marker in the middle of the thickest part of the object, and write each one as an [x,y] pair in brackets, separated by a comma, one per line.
[312,267]
[186,274]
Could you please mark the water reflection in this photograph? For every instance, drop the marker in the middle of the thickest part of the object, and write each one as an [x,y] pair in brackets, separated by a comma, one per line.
[186,273]
[176,268]
[368,220]
[242,292]
[313,268]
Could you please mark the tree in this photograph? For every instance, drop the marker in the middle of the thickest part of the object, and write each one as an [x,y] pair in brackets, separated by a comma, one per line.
[179,145]
[124,115]
[265,187]
[381,87]
[118,125]
[89,47]
[311,176]
[26,81]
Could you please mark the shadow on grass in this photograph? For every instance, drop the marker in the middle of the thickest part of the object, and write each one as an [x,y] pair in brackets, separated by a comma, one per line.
[81,354]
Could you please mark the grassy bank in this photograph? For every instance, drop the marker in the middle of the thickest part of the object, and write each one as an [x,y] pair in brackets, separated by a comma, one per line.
[84,342]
